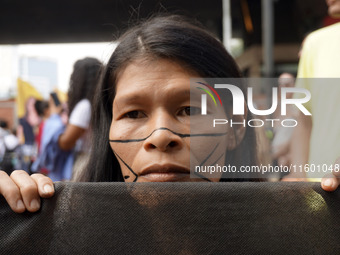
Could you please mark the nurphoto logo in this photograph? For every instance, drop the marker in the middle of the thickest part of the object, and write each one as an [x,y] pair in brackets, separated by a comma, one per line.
[239,101]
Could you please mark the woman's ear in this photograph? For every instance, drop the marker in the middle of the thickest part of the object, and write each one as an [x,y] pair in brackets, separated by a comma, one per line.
[238,130]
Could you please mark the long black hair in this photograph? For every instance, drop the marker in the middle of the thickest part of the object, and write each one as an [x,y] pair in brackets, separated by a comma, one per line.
[171,37]
[83,81]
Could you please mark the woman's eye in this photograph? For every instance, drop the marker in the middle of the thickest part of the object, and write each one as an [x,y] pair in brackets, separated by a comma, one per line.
[134,115]
[190,111]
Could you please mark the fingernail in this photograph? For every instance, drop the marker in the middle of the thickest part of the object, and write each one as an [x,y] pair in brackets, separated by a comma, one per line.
[48,188]
[328,183]
[20,205]
[34,204]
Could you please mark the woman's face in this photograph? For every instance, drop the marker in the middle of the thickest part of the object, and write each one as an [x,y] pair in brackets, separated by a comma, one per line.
[150,126]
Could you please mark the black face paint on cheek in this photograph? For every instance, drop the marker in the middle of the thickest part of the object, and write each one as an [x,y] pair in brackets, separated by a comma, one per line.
[178,134]
[126,176]
[163,128]
[206,159]
[210,154]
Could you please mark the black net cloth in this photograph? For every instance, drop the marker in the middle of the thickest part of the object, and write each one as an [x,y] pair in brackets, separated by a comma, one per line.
[177,218]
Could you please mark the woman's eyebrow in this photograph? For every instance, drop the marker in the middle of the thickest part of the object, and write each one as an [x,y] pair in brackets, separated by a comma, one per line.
[128,99]
[180,93]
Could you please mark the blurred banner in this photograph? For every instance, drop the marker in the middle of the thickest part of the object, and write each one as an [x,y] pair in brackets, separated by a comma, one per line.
[176,218]
[37,78]
[25,91]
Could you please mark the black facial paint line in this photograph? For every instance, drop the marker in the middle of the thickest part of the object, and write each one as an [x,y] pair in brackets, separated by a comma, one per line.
[209,134]
[178,134]
[175,133]
[202,177]
[126,177]
[205,160]
[217,159]
[210,154]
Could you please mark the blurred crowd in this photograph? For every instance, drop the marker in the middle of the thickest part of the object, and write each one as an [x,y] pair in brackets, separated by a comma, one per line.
[52,137]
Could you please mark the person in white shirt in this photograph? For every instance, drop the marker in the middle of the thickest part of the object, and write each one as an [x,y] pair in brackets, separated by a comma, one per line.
[71,138]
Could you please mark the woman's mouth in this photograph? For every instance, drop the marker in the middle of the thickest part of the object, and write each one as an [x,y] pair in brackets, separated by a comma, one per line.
[165,173]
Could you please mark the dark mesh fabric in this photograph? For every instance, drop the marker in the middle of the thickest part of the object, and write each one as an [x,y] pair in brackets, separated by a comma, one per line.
[177,218]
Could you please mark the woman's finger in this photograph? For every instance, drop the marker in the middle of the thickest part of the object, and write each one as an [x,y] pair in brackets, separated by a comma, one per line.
[28,190]
[329,182]
[11,193]
[45,185]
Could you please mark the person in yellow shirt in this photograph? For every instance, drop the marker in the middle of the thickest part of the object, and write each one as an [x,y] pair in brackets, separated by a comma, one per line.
[316,138]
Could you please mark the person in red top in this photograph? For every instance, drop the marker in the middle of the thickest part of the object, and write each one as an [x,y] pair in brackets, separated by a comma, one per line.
[43,110]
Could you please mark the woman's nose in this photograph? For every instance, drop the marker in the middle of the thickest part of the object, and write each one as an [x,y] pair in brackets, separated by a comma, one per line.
[164,137]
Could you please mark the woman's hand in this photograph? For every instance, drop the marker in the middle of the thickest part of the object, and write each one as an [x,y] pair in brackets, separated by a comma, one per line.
[330,182]
[23,191]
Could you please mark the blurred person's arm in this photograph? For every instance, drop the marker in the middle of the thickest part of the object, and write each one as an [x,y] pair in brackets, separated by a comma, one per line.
[72,133]
[299,146]
[20,134]
[68,139]
[300,142]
